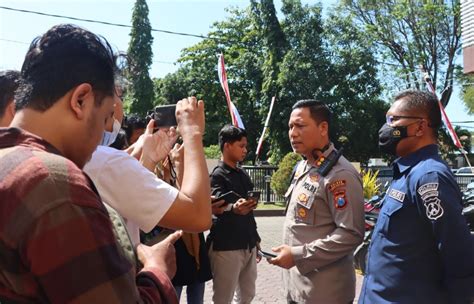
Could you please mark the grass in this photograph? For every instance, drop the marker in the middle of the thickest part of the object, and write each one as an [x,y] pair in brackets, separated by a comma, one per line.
[276,205]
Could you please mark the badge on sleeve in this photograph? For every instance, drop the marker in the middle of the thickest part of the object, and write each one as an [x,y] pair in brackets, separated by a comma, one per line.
[340,200]
[429,195]
[336,184]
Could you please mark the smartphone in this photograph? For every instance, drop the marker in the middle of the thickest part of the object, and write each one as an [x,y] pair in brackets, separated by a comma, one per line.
[267,255]
[165,116]
[254,194]
[229,197]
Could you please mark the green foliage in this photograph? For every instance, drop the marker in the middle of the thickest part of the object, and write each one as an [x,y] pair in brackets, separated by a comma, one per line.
[281,178]
[370,184]
[446,145]
[212,152]
[297,57]
[141,94]
[467,92]
[407,34]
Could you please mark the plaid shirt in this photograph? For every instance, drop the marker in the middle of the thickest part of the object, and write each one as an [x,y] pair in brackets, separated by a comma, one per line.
[56,239]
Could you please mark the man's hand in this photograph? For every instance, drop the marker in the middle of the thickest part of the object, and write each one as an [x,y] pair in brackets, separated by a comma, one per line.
[161,255]
[190,116]
[244,206]
[218,207]
[284,258]
[258,256]
[156,146]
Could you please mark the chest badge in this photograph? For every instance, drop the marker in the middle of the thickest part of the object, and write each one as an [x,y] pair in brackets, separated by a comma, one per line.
[303,198]
[302,213]
[314,178]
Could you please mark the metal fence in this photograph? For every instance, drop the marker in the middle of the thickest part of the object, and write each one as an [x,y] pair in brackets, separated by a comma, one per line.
[462,180]
[261,177]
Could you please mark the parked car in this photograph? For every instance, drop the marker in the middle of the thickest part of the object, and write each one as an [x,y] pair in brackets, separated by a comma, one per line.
[465,171]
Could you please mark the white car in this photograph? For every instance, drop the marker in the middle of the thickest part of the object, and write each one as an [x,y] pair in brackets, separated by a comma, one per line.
[465,171]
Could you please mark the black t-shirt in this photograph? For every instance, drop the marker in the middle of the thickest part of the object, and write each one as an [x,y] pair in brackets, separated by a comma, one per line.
[231,231]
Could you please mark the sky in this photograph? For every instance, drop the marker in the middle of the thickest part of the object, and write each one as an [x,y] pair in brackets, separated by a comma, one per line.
[188,16]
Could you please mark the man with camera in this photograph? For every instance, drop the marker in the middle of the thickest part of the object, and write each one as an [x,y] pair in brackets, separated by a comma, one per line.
[233,238]
[57,242]
[144,200]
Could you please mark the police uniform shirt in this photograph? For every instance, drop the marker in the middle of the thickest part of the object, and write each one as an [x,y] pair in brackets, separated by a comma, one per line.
[323,225]
[231,231]
[421,251]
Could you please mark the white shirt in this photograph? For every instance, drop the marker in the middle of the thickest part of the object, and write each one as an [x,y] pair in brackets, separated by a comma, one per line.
[131,189]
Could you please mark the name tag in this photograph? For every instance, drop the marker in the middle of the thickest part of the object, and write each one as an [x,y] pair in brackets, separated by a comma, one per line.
[397,195]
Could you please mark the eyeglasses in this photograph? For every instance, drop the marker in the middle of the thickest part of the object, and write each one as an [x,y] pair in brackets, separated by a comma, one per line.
[393,118]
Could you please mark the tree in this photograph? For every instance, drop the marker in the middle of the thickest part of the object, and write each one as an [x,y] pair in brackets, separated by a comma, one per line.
[325,61]
[408,34]
[141,94]
[240,42]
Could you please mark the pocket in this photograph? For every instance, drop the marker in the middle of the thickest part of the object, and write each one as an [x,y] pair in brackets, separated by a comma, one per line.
[388,216]
[303,214]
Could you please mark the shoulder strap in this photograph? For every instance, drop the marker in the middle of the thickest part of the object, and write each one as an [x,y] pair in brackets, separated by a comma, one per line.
[329,162]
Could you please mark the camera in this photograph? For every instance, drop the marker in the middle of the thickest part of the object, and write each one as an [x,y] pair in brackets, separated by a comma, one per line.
[164,116]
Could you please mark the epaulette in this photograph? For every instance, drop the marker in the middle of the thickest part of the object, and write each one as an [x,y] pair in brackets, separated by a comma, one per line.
[327,163]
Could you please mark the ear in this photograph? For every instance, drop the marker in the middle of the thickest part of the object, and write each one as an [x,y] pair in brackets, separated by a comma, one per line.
[421,128]
[81,98]
[324,128]
[11,108]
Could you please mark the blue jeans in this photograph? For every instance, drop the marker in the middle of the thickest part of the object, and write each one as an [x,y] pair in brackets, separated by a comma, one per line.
[194,293]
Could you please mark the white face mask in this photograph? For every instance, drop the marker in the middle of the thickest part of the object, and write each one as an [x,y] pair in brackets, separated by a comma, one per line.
[109,137]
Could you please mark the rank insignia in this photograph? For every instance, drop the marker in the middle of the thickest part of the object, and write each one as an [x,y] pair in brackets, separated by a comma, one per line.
[320,161]
[302,213]
[336,184]
[340,200]
[303,198]
[314,178]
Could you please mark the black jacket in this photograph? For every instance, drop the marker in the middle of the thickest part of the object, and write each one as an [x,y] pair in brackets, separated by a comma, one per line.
[231,231]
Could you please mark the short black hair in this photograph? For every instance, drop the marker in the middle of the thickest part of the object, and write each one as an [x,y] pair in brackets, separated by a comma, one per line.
[64,57]
[319,110]
[424,102]
[132,122]
[230,134]
[9,80]
[120,142]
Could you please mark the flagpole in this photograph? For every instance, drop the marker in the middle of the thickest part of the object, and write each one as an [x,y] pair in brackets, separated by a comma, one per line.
[267,121]
[446,121]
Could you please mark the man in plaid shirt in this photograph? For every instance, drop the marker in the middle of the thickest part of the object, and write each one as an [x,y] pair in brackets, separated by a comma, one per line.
[56,240]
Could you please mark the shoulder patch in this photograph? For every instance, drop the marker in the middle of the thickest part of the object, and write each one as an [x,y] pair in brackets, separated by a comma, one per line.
[397,195]
[340,201]
[434,210]
[336,184]
[423,189]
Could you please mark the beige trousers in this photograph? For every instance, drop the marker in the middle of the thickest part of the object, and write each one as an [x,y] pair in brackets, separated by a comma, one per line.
[234,271]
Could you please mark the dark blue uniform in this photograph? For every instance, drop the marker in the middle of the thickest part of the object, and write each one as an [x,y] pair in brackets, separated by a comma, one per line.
[422,250]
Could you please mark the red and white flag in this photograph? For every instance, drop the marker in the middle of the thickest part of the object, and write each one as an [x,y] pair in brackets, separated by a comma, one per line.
[234,114]
[444,117]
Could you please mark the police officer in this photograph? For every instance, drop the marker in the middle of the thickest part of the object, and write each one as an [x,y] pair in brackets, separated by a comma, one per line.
[325,217]
[421,251]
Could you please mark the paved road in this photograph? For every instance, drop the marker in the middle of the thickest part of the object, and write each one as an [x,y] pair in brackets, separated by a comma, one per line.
[269,277]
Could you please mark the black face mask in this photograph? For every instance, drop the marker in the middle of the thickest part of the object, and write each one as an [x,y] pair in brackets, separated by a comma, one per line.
[389,137]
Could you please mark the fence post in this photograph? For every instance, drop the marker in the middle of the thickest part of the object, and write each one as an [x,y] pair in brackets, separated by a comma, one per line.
[268,179]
